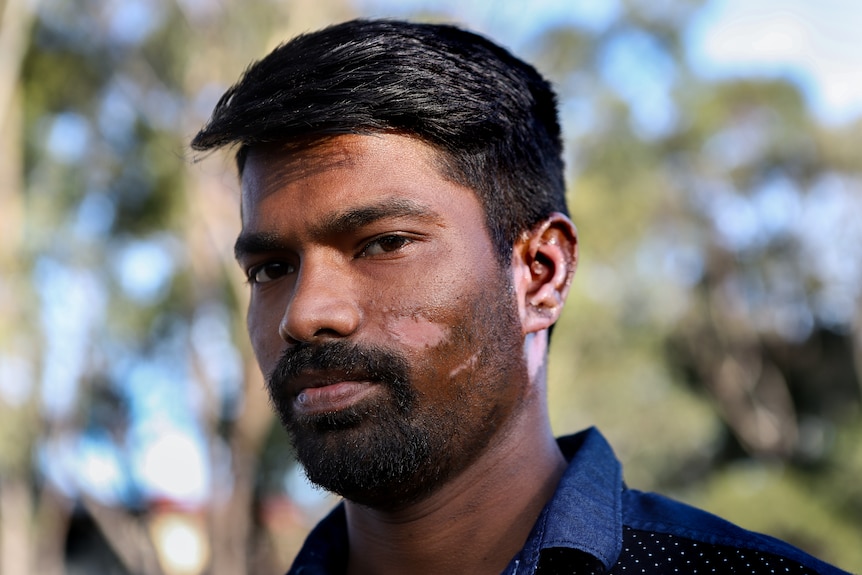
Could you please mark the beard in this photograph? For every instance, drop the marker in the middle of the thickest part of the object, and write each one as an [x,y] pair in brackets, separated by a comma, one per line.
[363,452]
[399,446]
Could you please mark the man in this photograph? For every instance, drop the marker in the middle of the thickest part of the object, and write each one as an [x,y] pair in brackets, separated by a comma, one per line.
[405,235]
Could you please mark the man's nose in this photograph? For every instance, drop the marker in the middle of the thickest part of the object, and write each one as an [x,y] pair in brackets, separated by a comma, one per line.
[323,305]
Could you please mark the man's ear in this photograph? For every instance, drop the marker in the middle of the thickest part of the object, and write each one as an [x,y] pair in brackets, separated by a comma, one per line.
[544,260]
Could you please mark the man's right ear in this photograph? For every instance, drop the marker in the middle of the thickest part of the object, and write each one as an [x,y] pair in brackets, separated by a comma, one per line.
[544,260]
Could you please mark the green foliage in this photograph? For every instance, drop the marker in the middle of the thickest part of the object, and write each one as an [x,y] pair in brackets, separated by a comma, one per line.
[679,340]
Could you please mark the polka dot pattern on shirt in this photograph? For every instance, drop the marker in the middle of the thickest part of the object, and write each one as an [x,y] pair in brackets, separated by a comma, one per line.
[646,552]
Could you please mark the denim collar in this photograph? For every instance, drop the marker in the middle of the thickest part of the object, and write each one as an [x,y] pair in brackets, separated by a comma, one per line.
[585,512]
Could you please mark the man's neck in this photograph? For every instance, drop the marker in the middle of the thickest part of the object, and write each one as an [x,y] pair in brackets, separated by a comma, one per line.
[475,523]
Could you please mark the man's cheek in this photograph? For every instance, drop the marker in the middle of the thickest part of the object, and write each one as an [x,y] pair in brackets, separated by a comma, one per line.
[265,341]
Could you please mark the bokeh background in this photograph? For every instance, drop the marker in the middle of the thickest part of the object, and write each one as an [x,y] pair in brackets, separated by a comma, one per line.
[714,332]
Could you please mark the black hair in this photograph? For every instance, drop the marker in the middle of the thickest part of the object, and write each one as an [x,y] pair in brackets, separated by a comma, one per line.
[492,117]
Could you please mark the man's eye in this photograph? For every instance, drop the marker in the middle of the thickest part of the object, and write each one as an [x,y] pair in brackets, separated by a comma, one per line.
[384,245]
[268,272]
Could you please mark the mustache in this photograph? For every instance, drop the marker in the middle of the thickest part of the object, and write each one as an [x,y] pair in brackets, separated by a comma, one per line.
[354,360]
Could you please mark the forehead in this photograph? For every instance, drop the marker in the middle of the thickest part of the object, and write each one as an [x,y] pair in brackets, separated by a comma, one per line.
[270,165]
[347,168]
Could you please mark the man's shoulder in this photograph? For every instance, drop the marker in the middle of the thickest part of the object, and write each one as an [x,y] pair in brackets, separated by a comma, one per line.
[664,528]
[635,531]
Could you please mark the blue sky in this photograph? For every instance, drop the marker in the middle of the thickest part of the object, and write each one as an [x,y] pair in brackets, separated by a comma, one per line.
[817,43]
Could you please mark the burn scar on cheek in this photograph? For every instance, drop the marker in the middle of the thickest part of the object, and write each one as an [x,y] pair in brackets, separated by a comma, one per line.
[416,331]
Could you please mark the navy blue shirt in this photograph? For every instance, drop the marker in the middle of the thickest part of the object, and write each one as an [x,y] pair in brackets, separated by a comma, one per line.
[595,525]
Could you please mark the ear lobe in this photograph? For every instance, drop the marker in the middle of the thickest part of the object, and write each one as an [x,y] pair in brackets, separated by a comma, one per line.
[544,260]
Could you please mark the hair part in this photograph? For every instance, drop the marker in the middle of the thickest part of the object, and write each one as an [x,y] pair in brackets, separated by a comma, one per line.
[492,117]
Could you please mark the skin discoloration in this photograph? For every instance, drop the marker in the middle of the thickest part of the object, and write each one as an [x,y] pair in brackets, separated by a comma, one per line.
[470,363]
[535,349]
[415,330]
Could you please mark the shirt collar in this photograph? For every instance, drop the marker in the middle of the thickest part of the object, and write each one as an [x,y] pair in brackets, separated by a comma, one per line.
[585,513]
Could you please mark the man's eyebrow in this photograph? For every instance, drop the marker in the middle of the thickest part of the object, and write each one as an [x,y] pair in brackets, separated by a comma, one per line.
[355,218]
[255,243]
[338,224]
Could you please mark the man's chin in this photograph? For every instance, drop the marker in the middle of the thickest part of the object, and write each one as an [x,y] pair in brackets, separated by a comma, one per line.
[322,423]
[379,465]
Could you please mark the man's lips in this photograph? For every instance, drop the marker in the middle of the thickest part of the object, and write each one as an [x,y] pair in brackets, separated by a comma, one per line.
[327,393]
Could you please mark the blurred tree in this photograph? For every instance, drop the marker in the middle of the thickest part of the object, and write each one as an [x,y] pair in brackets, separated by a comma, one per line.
[135,336]
[717,306]
[18,346]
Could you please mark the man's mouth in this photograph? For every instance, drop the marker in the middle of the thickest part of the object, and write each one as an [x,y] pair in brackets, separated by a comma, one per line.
[336,378]
[329,393]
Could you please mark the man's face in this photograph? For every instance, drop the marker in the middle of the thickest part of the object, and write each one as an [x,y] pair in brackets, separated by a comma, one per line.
[380,314]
